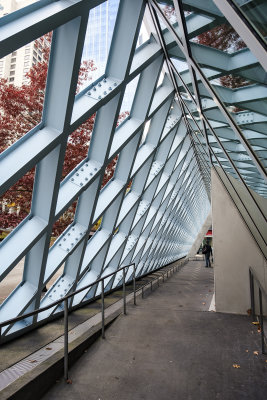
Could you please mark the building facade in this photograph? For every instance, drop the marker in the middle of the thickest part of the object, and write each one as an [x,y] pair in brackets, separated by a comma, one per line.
[15,66]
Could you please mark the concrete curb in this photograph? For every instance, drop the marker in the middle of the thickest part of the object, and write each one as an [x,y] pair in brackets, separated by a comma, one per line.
[36,382]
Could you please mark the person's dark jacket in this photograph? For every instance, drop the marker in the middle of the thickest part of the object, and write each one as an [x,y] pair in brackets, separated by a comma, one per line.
[207,249]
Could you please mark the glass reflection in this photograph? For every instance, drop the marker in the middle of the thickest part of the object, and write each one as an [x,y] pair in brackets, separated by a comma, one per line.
[256,13]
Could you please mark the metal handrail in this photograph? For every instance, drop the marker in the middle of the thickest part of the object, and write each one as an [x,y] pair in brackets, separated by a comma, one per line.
[252,278]
[66,306]
[162,273]
[55,303]
[66,309]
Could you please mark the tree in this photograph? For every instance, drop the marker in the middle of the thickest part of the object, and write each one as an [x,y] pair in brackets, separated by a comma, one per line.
[20,111]
[223,37]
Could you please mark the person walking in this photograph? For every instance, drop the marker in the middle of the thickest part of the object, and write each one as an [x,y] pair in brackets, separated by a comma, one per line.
[207,250]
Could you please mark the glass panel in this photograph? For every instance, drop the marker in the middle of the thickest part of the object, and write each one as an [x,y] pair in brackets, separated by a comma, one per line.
[256,12]
[64,220]
[222,37]
[10,282]
[98,38]
[16,202]
[22,89]
[237,153]
[239,82]
[144,34]
[53,279]
[78,146]
[109,171]
[168,11]
[128,97]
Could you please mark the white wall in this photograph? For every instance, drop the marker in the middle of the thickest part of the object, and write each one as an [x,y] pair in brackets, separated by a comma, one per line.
[235,250]
[200,236]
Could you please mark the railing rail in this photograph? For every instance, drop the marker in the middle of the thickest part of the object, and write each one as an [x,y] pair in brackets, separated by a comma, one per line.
[70,295]
[66,309]
[261,291]
[62,299]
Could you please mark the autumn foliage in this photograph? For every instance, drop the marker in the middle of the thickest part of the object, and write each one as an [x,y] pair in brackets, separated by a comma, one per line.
[222,37]
[225,38]
[20,111]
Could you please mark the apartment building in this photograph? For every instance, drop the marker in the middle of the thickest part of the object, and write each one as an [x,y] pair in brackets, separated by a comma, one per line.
[15,66]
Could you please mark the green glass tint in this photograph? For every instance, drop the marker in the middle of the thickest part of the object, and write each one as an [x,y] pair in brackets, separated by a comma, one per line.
[256,13]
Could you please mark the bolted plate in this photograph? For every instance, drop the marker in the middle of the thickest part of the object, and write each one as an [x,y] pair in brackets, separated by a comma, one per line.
[102,88]
[71,237]
[85,173]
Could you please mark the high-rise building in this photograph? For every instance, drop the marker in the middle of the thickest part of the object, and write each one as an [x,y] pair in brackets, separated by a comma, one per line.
[15,66]
[98,40]
[99,34]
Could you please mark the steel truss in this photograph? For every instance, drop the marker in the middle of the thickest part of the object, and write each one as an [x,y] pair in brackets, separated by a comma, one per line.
[156,221]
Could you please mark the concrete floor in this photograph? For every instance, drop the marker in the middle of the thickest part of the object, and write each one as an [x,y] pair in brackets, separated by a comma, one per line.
[171,347]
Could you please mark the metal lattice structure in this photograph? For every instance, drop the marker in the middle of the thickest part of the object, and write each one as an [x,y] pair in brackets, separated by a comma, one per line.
[181,123]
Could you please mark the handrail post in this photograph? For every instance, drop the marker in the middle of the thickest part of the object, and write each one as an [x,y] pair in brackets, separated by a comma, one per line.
[261,323]
[65,311]
[124,294]
[134,286]
[103,308]
[66,350]
[252,296]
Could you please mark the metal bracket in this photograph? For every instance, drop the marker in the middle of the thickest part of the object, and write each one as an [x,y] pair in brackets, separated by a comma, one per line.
[102,88]
[245,118]
[71,237]
[84,174]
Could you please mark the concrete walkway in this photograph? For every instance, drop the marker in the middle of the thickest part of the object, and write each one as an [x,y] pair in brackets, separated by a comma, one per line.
[171,347]
[30,364]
